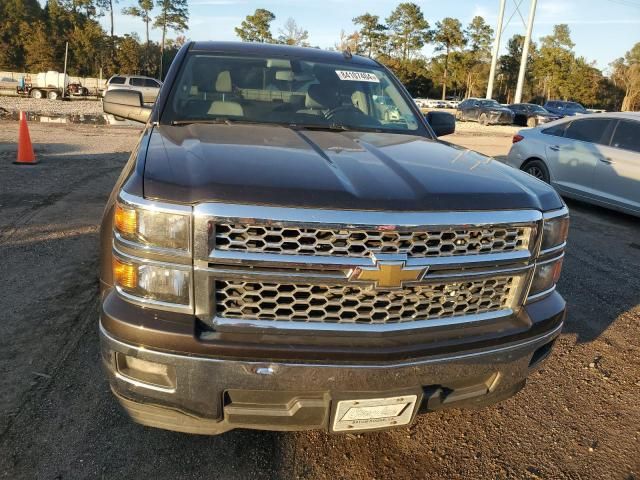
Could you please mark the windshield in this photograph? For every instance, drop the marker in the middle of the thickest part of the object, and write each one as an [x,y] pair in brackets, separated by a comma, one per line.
[537,109]
[490,103]
[246,89]
[574,106]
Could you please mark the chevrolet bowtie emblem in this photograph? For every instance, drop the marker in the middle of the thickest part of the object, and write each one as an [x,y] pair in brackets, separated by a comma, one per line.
[389,274]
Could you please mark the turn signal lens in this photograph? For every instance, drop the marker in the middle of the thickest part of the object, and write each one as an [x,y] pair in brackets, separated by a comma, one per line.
[126,220]
[124,274]
[152,282]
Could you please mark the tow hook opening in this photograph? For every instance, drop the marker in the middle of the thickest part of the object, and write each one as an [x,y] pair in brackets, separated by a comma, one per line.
[541,354]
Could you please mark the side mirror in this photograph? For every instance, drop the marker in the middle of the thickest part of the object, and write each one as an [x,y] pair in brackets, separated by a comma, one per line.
[442,123]
[126,104]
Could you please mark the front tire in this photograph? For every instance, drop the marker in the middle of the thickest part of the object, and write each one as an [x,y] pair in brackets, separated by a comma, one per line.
[532,122]
[537,168]
[484,120]
[36,93]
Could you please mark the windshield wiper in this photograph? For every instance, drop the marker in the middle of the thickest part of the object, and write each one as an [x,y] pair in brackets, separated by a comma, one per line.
[332,127]
[211,121]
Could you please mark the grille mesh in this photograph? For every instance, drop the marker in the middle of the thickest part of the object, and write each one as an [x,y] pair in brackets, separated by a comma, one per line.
[362,243]
[355,304]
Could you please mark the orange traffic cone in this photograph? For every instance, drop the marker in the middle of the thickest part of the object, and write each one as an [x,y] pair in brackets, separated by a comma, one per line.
[25,149]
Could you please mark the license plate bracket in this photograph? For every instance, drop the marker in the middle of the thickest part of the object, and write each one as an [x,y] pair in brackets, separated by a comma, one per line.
[373,413]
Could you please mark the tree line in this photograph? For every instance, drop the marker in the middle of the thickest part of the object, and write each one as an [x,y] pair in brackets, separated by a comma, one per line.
[32,38]
[461,62]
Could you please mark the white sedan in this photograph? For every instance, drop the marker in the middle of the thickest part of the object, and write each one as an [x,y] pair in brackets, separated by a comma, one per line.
[594,158]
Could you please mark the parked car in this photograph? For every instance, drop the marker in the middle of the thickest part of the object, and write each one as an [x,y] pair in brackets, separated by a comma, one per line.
[595,158]
[452,103]
[148,87]
[530,115]
[297,262]
[565,109]
[484,111]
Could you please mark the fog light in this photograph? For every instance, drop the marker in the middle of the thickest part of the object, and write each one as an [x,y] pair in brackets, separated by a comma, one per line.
[144,371]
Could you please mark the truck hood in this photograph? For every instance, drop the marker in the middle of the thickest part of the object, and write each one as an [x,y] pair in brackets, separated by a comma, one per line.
[281,166]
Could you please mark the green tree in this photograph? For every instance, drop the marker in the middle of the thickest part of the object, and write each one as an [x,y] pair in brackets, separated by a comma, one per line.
[408,29]
[292,34]
[509,68]
[372,34]
[108,5]
[87,46]
[128,54]
[143,11]
[38,52]
[554,61]
[256,27]
[479,37]
[626,74]
[17,19]
[447,37]
[173,15]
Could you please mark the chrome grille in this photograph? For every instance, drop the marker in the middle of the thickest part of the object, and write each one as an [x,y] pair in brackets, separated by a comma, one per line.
[362,243]
[341,304]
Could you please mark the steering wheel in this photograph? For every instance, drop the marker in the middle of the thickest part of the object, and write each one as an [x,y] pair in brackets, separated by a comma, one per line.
[330,115]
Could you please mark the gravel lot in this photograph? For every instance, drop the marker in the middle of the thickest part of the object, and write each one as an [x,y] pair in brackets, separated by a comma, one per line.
[578,417]
[51,107]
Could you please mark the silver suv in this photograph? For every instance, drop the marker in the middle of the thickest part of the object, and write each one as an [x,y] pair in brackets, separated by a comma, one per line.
[148,87]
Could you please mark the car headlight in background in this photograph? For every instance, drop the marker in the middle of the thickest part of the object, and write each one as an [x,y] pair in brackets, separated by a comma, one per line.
[147,281]
[149,227]
[554,231]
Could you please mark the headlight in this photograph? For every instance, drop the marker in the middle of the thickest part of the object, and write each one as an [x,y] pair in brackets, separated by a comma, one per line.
[554,231]
[151,227]
[147,281]
[546,275]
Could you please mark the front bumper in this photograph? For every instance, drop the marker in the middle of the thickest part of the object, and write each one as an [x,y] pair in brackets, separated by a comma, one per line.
[211,395]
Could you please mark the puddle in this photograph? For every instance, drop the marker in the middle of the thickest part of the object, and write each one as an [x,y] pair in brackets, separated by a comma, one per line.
[89,119]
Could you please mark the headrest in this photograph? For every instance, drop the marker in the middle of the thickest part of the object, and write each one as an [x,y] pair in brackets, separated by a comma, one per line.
[223,82]
[285,75]
[319,96]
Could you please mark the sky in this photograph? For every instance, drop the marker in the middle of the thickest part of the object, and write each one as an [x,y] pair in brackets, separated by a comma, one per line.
[602,30]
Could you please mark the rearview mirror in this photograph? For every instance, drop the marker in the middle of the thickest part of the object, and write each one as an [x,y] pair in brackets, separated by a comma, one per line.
[442,123]
[126,104]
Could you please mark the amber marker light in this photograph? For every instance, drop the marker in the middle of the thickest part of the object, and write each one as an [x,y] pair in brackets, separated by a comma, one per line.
[125,275]
[126,220]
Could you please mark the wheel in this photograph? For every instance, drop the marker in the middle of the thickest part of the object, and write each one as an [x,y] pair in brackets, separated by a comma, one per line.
[538,169]
[484,120]
[531,122]
[459,116]
[36,94]
[52,95]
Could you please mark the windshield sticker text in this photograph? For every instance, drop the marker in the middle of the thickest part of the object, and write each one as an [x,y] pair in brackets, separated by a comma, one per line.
[357,76]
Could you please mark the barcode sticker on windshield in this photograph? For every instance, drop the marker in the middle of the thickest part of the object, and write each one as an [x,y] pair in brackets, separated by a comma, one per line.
[357,76]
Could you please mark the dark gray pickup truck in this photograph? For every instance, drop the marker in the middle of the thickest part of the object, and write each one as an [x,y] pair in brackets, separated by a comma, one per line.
[290,247]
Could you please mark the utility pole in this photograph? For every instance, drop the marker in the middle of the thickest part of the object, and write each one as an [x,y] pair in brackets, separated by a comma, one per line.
[64,75]
[496,48]
[525,52]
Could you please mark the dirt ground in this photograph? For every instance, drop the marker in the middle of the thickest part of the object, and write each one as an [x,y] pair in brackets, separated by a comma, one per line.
[578,417]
